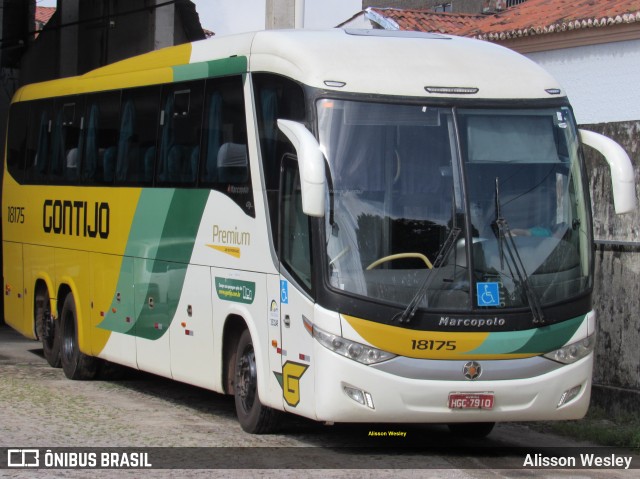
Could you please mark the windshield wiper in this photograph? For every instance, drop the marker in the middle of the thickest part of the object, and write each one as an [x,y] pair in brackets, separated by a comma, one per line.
[446,248]
[505,241]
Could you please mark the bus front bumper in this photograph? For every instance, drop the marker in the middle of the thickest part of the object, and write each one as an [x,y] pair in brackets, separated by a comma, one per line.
[391,398]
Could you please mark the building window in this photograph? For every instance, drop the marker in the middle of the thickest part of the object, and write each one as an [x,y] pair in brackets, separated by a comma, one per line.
[443,7]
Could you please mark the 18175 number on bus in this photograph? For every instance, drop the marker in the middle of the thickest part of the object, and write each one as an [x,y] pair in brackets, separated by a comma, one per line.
[432,345]
[15,214]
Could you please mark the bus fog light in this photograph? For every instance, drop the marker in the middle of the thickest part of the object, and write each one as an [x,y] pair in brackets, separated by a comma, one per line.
[359,396]
[569,395]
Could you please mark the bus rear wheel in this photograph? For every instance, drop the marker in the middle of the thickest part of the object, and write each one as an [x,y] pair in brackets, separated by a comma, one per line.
[471,429]
[48,330]
[254,417]
[75,364]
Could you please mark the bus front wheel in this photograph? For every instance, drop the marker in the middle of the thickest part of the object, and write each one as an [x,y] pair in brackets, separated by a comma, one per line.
[254,417]
[47,328]
[75,364]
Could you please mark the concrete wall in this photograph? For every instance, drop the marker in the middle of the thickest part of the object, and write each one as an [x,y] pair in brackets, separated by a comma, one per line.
[617,279]
[601,80]
[602,84]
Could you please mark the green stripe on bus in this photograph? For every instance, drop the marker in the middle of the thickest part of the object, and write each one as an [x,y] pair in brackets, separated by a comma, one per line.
[504,342]
[215,68]
[156,258]
[530,341]
[146,228]
[168,269]
[550,338]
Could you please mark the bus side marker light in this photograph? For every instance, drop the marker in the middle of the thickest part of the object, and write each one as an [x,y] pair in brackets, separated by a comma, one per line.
[359,396]
[113,310]
[183,324]
[304,357]
[128,319]
[274,343]
[157,325]
[569,395]
[102,314]
[188,332]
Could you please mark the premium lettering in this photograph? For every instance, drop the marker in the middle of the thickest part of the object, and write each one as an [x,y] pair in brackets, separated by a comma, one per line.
[231,237]
[76,218]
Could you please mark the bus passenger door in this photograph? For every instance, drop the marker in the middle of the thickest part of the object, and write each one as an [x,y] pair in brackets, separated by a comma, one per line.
[296,304]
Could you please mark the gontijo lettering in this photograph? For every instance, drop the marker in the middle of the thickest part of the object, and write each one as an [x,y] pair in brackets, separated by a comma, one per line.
[76,218]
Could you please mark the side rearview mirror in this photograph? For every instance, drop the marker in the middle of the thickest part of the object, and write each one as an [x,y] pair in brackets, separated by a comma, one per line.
[622,176]
[310,164]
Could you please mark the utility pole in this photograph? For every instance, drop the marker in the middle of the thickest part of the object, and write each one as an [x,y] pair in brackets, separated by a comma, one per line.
[284,14]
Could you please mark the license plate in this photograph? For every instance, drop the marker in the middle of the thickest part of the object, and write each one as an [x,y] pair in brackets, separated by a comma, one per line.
[470,400]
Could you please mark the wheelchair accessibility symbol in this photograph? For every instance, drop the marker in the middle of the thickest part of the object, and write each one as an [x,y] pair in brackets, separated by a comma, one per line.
[284,292]
[488,294]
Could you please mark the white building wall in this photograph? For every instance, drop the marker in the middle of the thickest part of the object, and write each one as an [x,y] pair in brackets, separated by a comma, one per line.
[602,81]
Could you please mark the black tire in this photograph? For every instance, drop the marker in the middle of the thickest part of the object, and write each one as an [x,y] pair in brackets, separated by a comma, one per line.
[252,415]
[47,328]
[75,364]
[471,429]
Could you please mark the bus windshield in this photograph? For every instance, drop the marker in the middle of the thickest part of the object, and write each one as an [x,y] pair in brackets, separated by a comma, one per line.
[411,186]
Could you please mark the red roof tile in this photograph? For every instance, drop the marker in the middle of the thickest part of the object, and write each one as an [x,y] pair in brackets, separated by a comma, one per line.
[539,17]
[533,17]
[429,21]
[44,14]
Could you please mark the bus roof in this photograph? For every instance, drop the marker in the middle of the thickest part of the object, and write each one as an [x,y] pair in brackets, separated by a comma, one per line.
[364,61]
[400,63]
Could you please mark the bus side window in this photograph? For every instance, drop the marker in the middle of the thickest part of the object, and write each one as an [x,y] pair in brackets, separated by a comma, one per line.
[179,133]
[65,140]
[38,137]
[295,235]
[276,97]
[100,138]
[17,140]
[224,162]
[136,148]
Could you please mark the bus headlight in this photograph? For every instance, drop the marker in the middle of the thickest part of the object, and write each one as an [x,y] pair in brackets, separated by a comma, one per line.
[573,352]
[350,349]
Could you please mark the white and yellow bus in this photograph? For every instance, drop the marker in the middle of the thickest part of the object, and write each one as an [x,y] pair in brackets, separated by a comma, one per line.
[351,226]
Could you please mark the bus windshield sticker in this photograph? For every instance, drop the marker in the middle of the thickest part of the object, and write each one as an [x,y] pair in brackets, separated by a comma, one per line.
[488,294]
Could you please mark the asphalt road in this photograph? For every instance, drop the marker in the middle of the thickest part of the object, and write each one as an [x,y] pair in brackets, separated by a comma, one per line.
[40,408]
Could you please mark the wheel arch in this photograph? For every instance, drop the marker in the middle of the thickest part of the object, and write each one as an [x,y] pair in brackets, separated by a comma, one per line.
[43,281]
[234,326]
[67,286]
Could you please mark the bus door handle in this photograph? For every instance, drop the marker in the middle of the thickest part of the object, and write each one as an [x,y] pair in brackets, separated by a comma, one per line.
[287,321]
